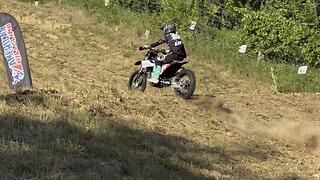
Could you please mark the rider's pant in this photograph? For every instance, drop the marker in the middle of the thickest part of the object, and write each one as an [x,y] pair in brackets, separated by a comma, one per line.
[170,57]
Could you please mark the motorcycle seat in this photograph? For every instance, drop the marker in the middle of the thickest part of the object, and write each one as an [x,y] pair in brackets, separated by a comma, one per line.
[179,62]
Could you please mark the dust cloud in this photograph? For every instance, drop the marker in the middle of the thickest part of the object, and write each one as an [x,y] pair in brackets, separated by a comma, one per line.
[290,132]
[294,132]
[298,133]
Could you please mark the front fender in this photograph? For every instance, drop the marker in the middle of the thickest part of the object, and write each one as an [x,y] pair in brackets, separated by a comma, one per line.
[138,62]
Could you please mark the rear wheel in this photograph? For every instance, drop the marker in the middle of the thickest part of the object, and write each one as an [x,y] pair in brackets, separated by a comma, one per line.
[137,81]
[187,82]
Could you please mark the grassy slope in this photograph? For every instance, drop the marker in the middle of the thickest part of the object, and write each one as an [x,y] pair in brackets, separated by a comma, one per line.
[80,121]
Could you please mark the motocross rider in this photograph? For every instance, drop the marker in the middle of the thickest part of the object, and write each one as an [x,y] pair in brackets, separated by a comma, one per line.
[176,50]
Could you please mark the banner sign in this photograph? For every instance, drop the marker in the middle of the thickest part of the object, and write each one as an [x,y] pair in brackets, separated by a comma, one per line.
[14,52]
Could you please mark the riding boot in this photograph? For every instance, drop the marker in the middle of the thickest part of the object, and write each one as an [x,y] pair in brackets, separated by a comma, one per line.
[156,74]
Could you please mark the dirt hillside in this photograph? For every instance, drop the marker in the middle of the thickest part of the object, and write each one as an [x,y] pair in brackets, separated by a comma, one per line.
[231,130]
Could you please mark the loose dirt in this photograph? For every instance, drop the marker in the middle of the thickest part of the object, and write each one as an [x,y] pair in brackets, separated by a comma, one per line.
[252,133]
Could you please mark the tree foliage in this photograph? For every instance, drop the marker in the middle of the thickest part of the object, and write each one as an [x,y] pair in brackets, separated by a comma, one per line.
[285,30]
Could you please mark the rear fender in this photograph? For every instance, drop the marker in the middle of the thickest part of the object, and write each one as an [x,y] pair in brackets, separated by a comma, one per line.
[171,70]
[164,67]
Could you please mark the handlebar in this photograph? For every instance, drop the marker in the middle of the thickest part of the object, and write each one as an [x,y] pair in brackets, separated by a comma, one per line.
[156,50]
[141,48]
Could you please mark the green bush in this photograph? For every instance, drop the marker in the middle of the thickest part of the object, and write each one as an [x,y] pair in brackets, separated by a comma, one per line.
[283,32]
[275,33]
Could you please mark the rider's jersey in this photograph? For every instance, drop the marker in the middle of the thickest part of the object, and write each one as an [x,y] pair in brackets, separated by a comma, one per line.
[175,44]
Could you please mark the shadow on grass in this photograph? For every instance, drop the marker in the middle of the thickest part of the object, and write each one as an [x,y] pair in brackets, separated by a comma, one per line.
[61,149]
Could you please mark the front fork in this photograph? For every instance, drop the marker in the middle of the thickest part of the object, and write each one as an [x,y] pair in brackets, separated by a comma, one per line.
[147,71]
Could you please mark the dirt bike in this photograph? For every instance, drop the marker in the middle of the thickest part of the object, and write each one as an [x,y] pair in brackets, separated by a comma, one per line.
[172,75]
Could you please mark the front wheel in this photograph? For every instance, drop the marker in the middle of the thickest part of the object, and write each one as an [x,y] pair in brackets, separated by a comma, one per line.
[187,84]
[137,81]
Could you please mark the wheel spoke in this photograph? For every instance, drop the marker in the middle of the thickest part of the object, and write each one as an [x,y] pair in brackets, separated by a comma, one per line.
[137,81]
[185,84]
[186,80]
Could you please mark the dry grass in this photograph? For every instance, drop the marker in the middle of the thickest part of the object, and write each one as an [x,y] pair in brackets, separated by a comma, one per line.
[80,122]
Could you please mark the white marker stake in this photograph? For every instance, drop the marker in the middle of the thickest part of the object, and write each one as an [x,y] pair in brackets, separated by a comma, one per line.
[106,3]
[243,49]
[192,25]
[147,33]
[302,70]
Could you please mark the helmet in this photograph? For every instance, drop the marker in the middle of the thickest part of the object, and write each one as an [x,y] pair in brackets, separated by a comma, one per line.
[169,28]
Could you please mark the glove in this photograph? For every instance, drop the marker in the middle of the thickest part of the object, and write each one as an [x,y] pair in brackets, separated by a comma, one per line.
[163,51]
[144,47]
